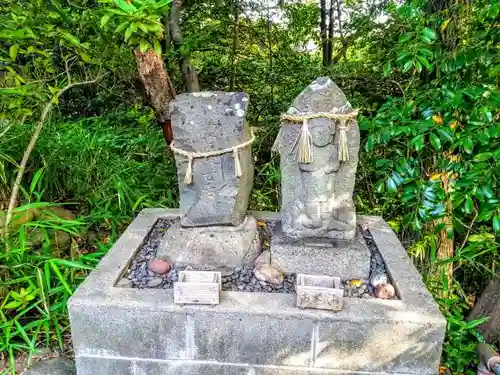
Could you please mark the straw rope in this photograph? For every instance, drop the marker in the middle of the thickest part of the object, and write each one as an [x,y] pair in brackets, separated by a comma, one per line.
[304,140]
[191,155]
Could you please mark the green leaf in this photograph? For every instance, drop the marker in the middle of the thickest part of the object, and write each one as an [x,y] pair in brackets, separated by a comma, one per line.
[494,9]
[104,20]
[429,33]
[481,237]
[426,52]
[85,57]
[125,6]
[418,66]
[144,45]
[162,3]
[418,143]
[369,143]
[404,37]
[468,145]
[72,264]
[496,223]
[444,134]
[469,206]
[71,39]
[391,185]
[13,51]
[387,68]
[157,46]
[35,179]
[121,27]
[13,305]
[424,62]
[487,191]
[435,141]
[143,27]
[407,65]
[128,33]
[483,156]
[60,276]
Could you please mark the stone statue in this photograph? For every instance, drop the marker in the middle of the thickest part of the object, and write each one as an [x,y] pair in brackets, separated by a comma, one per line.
[213,152]
[215,188]
[318,144]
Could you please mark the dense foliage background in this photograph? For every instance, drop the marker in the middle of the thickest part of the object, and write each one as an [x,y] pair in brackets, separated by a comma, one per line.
[425,75]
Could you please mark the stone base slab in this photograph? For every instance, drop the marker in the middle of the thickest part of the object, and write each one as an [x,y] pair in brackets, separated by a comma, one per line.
[141,331]
[135,366]
[344,259]
[211,248]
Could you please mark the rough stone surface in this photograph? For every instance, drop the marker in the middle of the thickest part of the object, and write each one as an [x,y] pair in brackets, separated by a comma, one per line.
[347,260]
[125,366]
[213,247]
[141,331]
[384,346]
[263,258]
[385,291]
[54,366]
[252,339]
[268,272]
[317,197]
[212,121]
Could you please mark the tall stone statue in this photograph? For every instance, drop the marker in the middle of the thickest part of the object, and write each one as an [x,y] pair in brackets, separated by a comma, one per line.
[213,152]
[214,157]
[318,144]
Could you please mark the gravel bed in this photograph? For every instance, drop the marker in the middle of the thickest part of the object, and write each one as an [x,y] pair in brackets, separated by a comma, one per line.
[242,278]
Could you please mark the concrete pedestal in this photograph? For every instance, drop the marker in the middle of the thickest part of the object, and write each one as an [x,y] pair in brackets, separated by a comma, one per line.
[212,248]
[344,259]
[141,331]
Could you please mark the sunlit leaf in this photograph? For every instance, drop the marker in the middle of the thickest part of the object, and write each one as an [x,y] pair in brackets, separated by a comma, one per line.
[73,40]
[105,20]
[496,223]
[435,141]
[125,6]
[13,51]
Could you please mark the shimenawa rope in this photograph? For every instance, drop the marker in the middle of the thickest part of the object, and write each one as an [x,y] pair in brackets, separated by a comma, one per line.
[304,140]
[191,155]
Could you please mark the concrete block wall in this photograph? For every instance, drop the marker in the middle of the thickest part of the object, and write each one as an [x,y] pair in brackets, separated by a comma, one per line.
[141,331]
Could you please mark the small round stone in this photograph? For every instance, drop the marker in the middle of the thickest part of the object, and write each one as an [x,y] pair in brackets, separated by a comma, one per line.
[269,273]
[385,291]
[159,267]
[378,278]
[155,282]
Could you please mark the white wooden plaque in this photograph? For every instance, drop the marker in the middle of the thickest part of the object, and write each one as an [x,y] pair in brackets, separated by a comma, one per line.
[198,287]
[319,292]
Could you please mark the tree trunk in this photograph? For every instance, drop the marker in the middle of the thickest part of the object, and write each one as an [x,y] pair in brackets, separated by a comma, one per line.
[158,87]
[446,242]
[189,74]
[330,34]
[323,32]
[236,10]
[341,32]
[489,305]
